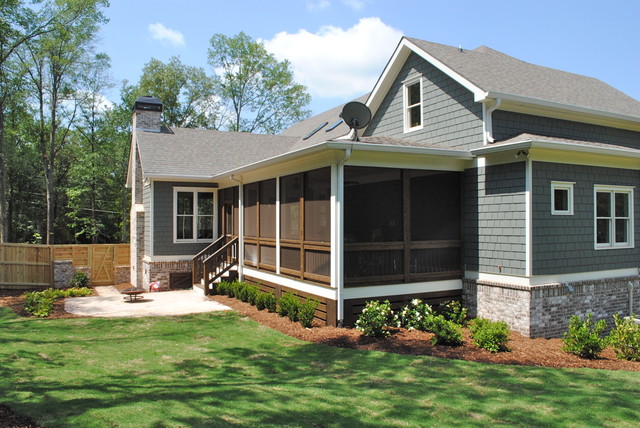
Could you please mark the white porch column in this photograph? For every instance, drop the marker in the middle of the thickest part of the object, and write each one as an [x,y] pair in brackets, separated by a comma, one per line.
[337,233]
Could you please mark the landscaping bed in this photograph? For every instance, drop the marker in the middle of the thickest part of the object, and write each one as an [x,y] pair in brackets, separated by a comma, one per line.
[524,351]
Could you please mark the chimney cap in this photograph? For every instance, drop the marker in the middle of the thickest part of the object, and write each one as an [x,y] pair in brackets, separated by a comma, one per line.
[148,103]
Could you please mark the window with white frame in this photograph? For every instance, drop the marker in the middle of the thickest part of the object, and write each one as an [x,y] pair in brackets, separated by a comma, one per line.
[413,105]
[561,198]
[193,214]
[613,216]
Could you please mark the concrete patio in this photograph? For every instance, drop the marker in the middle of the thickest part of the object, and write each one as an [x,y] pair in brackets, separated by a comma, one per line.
[111,304]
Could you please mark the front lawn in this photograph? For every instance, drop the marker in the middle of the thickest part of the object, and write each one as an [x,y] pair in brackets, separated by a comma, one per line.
[225,370]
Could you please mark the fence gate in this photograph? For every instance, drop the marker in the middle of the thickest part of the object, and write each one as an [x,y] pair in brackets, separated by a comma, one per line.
[102,266]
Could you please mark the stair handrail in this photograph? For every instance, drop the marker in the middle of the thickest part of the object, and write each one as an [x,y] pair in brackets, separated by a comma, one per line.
[220,262]
[196,268]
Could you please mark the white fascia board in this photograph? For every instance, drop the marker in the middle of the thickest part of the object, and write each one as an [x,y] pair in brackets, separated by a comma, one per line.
[133,147]
[556,145]
[538,280]
[492,95]
[354,145]
[179,177]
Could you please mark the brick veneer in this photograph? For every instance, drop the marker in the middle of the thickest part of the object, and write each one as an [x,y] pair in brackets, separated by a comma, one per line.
[160,271]
[544,310]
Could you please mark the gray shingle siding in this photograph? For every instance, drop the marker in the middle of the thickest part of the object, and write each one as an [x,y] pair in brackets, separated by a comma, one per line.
[495,219]
[451,118]
[565,244]
[508,124]
[163,221]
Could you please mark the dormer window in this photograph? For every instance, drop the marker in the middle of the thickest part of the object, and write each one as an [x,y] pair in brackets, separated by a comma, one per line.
[413,105]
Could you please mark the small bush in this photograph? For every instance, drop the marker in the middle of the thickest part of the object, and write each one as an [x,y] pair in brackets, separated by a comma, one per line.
[288,306]
[221,288]
[40,303]
[307,311]
[413,315]
[270,301]
[445,332]
[490,335]
[375,319]
[453,311]
[625,338]
[241,291]
[583,338]
[80,279]
[252,294]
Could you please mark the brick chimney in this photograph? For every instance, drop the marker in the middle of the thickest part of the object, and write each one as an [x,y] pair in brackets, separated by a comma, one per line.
[147,114]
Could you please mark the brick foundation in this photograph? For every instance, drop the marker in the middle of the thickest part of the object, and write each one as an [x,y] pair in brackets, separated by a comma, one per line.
[544,310]
[161,271]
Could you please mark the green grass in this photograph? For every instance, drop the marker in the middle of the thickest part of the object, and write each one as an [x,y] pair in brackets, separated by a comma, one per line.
[225,370]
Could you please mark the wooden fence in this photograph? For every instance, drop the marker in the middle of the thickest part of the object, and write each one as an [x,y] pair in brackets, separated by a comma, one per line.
[31,266]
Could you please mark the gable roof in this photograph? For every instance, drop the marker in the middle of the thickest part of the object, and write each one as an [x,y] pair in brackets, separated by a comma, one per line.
[491,75]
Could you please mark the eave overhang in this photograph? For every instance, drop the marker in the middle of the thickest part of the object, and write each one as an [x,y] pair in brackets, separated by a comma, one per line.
[526,144]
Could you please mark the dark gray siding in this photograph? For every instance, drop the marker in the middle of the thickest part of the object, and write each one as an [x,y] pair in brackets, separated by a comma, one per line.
[163,221]
[495,219]
[508,124]
[451,118]
[565,244]
[146,201]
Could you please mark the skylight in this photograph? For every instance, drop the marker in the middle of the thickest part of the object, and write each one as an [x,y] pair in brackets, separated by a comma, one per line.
[310,134]
[334,126]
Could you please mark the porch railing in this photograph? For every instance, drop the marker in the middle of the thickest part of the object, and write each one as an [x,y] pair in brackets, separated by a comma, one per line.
[214,261]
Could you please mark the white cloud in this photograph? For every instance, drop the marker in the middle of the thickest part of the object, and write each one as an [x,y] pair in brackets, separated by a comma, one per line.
[355,4]
[314,6]
[335,62]
[164,34]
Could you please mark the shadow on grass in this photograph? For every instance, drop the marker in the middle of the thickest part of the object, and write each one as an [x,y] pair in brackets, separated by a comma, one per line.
[242,374]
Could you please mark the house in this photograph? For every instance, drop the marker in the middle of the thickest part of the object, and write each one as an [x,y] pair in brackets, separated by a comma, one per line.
[482,177]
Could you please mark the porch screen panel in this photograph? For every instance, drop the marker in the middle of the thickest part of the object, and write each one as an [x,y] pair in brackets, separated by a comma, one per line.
[291,188]
[251,209]
[436,210]
[290,258]
[317,262]
[435,260]
[317,205]
[373,204]
[268,209]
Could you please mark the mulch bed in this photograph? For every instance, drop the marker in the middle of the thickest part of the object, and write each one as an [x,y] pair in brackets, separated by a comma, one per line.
[524,351]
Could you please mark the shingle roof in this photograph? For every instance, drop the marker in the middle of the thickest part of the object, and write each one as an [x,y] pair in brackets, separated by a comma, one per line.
[494,71]
[204,153]
[527,137]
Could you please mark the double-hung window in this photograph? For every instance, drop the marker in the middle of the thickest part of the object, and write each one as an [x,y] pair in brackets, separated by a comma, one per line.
[613,217]
[413,105]
[193,214]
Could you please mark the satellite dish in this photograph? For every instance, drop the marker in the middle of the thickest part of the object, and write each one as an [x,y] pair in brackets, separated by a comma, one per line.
[356,115]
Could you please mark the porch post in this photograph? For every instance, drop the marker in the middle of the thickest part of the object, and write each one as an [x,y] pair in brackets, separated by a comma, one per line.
[240,228]
[337,232]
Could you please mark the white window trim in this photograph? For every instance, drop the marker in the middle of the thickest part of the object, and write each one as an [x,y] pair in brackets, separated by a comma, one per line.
[562,185]
[195,216]
[613,189]
[405,104]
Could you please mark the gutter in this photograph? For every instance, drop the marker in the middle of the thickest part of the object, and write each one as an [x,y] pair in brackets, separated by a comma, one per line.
[557,145]
[488,121]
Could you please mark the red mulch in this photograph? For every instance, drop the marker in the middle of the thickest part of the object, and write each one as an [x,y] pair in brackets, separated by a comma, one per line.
[524,351]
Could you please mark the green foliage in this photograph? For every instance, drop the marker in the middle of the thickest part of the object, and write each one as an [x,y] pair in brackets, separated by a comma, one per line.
[221,287]
[267,301]
[413,316]
[375,319]
[256,89]
[445,332]
[80,279]
[252,294]
[288,306]
[453,311]
[584,337]
[306,312]
[40,303]
[490,335]
[625,338]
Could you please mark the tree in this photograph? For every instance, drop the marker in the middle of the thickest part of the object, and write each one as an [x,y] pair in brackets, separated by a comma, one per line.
[257,91]
[53,63]
[186,93]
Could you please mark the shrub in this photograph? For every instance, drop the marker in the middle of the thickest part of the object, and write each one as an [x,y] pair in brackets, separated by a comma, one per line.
[490,335]
[288,306]
[40,303]
[413,315]
[445,332]
[307,311]
[241,291]
[80,279]
[625,338]
[270,301]
[221,287]
[453,311]
[583,338]
[375,319]
[252,294]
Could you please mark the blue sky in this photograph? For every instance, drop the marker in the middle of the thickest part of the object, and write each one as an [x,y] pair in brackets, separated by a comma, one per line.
[338,48]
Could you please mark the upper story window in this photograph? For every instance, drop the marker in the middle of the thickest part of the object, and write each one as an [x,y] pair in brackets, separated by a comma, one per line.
[561,198]
[193,214]
[613,217]
[413,105]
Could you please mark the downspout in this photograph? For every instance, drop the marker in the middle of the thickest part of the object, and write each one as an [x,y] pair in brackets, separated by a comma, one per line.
[340,236]
[488,121]
[240,227]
